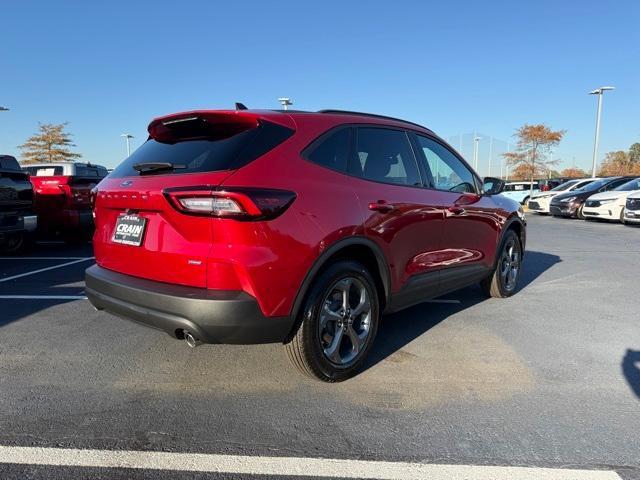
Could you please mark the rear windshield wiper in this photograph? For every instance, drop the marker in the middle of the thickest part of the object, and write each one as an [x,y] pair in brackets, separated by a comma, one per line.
[152,167]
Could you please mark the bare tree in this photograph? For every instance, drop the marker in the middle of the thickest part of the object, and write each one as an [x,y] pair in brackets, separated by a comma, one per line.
[50,144]
[534,144]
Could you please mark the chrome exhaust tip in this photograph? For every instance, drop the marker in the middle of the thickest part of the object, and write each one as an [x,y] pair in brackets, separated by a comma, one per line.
[192,341]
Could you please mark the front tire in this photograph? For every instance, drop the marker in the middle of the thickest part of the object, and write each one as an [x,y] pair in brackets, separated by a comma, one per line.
[340,320]
[503,280]
[579,213]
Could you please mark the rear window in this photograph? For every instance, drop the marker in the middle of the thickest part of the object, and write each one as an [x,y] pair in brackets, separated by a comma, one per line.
[206,155]
[519,187]
[43,171]
[90,171]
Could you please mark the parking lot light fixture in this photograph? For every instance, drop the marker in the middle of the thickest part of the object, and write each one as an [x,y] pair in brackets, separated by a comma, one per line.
[600,92]
[476,141]
[285,102]
[128,137]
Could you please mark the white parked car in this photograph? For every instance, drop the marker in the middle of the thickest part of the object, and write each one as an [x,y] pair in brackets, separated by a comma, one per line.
[610,205]
[632,208]
[520,191]
[540,202]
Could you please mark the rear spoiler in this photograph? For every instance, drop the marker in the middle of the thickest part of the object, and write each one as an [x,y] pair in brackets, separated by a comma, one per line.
[218,124]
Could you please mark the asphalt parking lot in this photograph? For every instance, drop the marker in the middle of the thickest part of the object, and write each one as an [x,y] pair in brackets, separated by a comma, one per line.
[547,378]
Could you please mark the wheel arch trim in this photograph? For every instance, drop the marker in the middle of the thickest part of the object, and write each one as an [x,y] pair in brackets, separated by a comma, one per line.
[333,249]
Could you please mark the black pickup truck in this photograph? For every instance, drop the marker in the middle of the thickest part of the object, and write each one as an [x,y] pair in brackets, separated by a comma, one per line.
[18,221]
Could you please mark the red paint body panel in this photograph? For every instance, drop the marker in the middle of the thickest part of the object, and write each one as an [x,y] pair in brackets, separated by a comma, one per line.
[61,201]
[269,259]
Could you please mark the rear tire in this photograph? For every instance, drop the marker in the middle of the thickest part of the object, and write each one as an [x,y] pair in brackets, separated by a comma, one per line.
[503,280]
[17,243]
[339,322]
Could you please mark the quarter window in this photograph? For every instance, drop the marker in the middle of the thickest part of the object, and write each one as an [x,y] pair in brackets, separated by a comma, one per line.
[384,155]
[333,150]
[447,171]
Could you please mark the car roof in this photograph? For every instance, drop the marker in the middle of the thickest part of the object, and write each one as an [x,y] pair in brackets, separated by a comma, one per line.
[60,164]
[338,116]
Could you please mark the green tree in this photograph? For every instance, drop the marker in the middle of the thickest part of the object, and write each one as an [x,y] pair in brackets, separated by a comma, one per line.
[50,144]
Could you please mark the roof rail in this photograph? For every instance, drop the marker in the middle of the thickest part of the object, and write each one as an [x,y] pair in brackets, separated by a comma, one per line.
[373,115]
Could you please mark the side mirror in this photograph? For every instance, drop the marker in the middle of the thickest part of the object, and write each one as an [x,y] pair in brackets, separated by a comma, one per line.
[492,186]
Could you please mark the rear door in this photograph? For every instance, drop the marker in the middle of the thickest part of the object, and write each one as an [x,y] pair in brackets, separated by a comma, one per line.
[202,151]
[401,215]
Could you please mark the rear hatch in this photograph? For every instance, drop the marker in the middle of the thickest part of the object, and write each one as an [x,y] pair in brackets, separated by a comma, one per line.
[138,231]
[16,193]
[63,192]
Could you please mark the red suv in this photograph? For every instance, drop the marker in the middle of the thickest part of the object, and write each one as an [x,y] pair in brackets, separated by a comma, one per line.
[301,228]
[63,197]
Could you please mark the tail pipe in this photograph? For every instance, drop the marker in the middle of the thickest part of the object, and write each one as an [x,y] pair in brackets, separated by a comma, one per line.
[192,341]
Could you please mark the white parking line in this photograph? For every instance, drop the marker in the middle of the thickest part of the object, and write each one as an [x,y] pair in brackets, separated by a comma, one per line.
[281,466]
[45,269]
[43,297]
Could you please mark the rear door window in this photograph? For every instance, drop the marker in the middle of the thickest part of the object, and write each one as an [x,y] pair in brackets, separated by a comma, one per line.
[206,155]
[384,155]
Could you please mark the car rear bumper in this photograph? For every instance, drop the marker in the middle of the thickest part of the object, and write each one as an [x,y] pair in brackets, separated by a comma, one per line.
[17,224]
[212,316]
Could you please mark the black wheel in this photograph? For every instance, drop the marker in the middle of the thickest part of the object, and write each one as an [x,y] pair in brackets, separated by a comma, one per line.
[339,323]
[504,279]
[16,243]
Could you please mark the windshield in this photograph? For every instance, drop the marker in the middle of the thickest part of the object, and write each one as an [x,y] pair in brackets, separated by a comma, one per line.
[564,186]
[595,185]
[629,186]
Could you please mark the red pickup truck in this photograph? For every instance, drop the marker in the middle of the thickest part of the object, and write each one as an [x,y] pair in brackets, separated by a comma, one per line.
[63,197]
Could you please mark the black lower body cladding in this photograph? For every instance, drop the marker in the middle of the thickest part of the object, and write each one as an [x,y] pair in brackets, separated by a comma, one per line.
[212,316]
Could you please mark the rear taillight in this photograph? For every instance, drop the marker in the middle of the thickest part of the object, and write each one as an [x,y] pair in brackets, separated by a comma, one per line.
[230,202]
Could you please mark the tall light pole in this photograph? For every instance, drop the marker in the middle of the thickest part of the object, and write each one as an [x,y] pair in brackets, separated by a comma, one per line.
[476,140]
[285,102]
[127,137]
[600,92]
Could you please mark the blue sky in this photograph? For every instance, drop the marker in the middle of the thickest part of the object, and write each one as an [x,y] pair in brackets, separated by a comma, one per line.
[455,66]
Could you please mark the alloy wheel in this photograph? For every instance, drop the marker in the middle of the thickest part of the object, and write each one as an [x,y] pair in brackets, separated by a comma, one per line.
[510,264]
[345,321]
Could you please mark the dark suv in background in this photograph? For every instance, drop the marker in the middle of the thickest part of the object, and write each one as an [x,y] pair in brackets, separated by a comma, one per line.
[302,228]
[18,220]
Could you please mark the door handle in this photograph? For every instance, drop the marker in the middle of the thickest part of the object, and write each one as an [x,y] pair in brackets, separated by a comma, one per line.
[456,210]
[381,206]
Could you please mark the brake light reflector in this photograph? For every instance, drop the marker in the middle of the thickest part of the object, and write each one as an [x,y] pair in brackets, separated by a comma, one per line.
[241,203]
